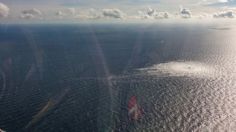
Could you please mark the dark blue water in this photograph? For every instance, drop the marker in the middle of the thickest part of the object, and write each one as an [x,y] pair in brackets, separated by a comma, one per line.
[80,77]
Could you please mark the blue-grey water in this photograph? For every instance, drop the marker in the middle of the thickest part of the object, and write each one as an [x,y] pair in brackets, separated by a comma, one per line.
[71,78]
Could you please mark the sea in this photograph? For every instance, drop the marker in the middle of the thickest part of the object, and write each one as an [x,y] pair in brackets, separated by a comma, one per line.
[80,77]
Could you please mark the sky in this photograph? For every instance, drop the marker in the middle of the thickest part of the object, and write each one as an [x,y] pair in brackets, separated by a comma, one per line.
[116,9]
[89,2]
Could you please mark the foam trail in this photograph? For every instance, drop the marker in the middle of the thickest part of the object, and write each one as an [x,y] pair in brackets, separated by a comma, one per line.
[30,72]
[52,103]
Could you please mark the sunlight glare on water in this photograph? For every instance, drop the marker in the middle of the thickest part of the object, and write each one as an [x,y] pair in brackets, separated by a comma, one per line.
[180,68]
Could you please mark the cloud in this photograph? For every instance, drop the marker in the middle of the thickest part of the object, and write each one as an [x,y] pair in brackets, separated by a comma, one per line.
[185,13]
[204,15]
[60,14]
[94,14]
[4,10]
[71,11]
[27,16]
[89,14]
[68,12]
[31,13]
[224,14]
[222,1]
[100,14]
[164,15]
[113,13]
[150,13]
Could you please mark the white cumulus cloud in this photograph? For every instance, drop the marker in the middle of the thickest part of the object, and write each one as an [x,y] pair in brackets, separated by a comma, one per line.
[185,13]
[224,14]
[150,13]
[94,14]
[90,14]
[113,13]
[68,12]
[27,16]
[59,13]
[31,13]
[4,10]
[71,11]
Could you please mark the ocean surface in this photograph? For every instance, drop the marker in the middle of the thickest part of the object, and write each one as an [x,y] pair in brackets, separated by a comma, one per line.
[80,77]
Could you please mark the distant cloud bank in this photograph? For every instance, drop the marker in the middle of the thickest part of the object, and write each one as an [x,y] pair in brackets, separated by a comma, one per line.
[77,13]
